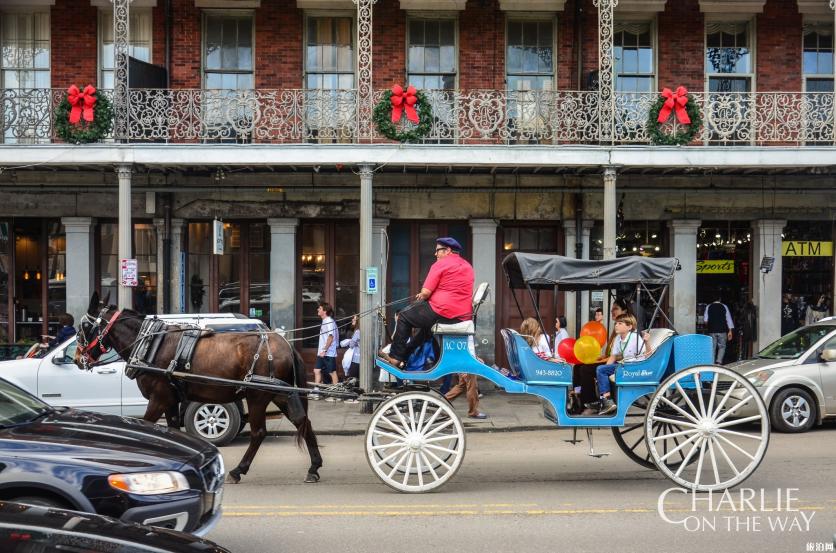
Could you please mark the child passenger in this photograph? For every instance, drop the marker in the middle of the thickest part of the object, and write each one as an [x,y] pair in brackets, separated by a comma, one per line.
[533,334]
[626,345]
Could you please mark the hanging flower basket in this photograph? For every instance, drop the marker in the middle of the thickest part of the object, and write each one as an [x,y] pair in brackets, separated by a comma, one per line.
[398,103]
[681,106]
[83,116]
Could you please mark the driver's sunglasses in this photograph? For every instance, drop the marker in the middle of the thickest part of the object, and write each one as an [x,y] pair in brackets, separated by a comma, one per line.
[440,249]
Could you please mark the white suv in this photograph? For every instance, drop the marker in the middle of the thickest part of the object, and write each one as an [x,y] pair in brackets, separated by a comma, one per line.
[55,379]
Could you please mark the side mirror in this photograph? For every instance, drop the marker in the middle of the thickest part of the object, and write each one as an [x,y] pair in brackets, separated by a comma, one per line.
[60,357]
[828,355]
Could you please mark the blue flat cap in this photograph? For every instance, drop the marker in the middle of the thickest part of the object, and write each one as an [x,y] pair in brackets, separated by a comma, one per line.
[451,243]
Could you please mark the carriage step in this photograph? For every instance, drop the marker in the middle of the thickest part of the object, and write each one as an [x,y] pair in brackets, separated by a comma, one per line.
[257,379]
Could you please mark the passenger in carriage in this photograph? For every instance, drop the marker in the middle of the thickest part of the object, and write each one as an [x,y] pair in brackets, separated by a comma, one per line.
[627,345]
[533,334]
[445,297]
[584,375]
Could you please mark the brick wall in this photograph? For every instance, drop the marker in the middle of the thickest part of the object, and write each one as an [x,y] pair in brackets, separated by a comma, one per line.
[74,34]
[481,33]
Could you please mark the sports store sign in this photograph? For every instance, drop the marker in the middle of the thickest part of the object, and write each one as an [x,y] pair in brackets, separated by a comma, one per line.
[806,248]
[715,266]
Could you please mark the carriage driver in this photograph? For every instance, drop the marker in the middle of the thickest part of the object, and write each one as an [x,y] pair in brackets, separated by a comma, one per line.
[447,293]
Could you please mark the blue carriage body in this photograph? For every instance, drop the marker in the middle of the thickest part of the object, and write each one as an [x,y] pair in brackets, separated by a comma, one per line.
[552,381]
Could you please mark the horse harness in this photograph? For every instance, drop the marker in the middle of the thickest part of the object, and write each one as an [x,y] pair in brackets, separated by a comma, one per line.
[101,334]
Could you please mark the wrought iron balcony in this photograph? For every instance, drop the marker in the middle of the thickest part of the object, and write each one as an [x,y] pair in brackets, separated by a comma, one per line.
[460,117]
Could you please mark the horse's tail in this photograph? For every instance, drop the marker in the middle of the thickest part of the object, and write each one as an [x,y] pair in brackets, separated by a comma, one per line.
[304,430]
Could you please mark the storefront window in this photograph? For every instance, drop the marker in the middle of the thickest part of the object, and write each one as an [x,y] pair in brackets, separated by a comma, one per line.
[5,276]
[229,270]
[199,264]
[807,251]
[56,263]
[313,278]
[259,268]
[28,290]
[145,253]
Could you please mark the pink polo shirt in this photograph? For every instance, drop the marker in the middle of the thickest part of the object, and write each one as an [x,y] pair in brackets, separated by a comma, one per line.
[451,282]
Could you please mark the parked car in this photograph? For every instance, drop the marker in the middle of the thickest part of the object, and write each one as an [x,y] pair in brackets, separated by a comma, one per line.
[120,467]
[796,376]
[27,528]
[56,379]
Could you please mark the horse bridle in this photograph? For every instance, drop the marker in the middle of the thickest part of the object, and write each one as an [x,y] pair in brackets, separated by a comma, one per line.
[98,342]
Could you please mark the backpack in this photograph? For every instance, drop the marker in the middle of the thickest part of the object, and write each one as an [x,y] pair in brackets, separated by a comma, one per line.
[422,358]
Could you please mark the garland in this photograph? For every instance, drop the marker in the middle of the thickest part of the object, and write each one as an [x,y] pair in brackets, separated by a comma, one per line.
[391,108]
[681,105]
[83,116]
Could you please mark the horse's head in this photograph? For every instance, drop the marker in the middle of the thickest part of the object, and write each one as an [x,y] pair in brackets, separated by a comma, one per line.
[92,337]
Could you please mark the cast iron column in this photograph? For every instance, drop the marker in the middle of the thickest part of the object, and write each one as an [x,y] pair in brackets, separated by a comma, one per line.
[125,232]
[606,80]
[367,300]
[121,42]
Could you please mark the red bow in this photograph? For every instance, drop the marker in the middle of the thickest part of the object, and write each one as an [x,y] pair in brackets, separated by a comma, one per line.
[675,101]
[82,103]
[404,101]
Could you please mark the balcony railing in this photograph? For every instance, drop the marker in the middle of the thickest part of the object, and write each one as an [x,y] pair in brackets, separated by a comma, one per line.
[459,117]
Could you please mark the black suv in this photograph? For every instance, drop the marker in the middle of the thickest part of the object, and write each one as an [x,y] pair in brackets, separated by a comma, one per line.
[114,466]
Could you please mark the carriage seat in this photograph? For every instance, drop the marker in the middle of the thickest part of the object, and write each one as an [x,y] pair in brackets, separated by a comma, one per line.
[525,364]
[646,369]
[462,328]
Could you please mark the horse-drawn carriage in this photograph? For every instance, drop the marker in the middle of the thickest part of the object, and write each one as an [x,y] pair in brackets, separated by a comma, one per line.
[676,410]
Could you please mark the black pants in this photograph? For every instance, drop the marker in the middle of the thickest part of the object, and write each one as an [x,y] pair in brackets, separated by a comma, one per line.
[584,376]
[418,316]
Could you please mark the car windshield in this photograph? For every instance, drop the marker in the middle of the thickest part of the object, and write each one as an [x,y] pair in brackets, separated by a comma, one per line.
[794,344]
[17,406]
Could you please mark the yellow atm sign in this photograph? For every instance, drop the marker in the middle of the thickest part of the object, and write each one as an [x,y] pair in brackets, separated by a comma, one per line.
[806,248]
[715,266]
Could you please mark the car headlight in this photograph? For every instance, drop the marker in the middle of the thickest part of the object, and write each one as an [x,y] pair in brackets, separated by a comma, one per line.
[149,483]
[759,378]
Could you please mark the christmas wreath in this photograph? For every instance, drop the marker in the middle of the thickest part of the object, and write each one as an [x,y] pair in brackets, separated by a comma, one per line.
[392,107]
[83,116]
[687,113]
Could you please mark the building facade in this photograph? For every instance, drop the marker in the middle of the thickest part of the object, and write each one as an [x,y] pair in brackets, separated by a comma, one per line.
[263,133]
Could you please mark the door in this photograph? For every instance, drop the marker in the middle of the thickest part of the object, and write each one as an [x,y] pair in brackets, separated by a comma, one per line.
[529,239]
[62,383]
[828,379]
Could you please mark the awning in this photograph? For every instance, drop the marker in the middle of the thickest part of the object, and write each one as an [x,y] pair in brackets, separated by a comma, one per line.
[544,272]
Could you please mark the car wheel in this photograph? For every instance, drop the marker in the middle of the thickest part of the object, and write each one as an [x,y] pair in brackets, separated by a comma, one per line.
[217,423]
[793,410]
[41,502]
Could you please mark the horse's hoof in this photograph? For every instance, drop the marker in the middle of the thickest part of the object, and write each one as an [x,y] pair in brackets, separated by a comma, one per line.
[312,478]
[232,478]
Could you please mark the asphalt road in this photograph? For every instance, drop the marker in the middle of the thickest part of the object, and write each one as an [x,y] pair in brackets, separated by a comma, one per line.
[528,492]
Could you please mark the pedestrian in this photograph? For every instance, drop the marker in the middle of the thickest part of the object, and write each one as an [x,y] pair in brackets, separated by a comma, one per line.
[353,344]
[446,297]
[817,311]
[66,331]
[467,383]
[560,328]
[326,356]
[790,315]
[719,321]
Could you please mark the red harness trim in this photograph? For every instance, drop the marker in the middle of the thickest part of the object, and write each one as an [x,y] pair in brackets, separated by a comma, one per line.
[99,339]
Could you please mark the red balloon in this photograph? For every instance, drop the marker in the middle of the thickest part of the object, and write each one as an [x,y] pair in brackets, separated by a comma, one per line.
[566,350]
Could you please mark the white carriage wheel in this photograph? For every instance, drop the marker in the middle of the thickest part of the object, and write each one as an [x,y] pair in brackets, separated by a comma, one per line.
[415,442]
[727,451]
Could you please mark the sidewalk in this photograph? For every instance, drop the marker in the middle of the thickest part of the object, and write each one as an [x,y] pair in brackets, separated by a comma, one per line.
[506,412]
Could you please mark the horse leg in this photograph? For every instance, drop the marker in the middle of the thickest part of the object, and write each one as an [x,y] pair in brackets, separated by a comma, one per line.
[155,410]
[257,403]
[304,431]
[172,416]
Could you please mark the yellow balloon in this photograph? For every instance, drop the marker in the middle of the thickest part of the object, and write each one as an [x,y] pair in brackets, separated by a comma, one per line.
[587,349]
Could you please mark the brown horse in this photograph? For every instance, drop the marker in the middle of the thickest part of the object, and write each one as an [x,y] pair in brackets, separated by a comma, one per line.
[222,355]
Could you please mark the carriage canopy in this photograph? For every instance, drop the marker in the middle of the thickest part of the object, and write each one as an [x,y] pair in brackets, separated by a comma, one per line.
[544,272]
